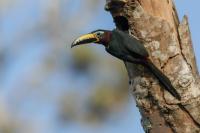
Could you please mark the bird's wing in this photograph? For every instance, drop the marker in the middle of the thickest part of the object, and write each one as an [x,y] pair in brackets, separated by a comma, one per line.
[135,47]
[132,44]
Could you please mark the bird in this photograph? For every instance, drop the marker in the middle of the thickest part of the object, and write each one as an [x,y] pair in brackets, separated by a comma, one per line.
[127,48]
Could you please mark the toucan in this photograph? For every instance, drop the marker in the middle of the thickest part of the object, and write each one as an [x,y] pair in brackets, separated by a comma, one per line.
[127,48]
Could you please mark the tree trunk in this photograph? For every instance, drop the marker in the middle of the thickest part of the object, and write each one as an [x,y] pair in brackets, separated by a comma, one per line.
[155,23]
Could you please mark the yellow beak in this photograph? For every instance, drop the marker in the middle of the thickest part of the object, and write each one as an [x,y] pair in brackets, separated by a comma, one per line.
[85,39]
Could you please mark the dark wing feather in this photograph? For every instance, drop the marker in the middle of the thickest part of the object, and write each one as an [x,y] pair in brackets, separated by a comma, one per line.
[132,44]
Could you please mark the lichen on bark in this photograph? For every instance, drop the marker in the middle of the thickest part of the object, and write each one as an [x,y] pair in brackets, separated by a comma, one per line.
[156,24]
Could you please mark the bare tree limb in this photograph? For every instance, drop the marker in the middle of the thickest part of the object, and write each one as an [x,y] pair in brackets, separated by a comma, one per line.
[156,24]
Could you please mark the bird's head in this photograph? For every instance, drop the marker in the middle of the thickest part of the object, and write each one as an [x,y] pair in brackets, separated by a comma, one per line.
[97,36]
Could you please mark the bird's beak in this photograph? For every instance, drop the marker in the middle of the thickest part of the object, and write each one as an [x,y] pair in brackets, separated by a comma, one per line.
[85,39]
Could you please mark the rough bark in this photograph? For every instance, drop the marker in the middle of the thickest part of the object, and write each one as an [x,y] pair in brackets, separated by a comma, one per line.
[156,24]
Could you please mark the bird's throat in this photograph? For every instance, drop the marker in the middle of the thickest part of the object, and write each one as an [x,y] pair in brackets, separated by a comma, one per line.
[107,38]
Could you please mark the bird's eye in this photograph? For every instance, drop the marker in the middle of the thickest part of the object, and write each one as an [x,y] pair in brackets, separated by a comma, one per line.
[98,33]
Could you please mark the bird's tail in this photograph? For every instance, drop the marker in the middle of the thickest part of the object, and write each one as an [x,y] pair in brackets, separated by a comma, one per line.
[162,79]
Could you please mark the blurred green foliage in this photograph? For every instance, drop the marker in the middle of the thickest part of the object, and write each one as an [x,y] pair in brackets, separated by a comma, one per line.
[43,82]
[83,58]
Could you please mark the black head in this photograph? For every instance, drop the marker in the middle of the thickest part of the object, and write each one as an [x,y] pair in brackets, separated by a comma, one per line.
[97,36]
